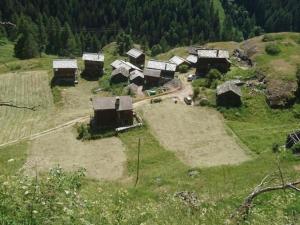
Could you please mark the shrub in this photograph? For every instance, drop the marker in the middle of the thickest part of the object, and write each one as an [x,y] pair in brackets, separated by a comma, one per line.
[56,93]
[183,69]
[272,49]
[204,102]
[212,77]
[268,37]
[275,147]
[296,148]
[83,132]
[196,92]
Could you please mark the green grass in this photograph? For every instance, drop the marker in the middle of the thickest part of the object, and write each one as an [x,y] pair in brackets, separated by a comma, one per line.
[220,189]
[257,125]
[12,158]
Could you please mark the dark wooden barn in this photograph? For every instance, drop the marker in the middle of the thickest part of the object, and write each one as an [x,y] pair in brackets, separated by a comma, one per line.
[137,77]
[167,69]
[212,59]
[65,71]
[229,95]
[119,75]
[152,77]
[112,112]
[136,57]
[93,64]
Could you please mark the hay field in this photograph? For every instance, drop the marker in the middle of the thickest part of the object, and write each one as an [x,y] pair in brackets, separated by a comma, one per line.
[102,159]
[197,135]
[24,89]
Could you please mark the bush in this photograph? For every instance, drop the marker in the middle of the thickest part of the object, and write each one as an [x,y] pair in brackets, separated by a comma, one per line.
[275,147]
[204,102]
[183,68]
[268,37]
[196,92]
[212,77]
[83,132]
[272,49]
[56,93]
[296,148]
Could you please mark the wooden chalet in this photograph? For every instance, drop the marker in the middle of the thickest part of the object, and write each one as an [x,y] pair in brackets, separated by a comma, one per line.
[178,61]
[120,75]
[136,57]
[167,69]
[212,59]
[136,77]
[112,112]
[229,95]
[152,77]
[65,70]
[93,64]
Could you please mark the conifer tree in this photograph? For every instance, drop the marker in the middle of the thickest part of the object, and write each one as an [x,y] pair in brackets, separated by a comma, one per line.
[26,46]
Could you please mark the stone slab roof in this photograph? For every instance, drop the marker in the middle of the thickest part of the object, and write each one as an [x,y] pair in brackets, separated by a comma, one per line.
[109,103]
[65,64]
[160,65]
[227,87]
[135,53]
[96,57]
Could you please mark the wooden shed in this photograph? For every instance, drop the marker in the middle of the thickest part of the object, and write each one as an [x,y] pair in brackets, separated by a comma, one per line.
[120,75]
[112,112]
[152,77]
[136,57]
[229,95]
[212,59]
[167,69]
[93,64]
[65,70]
[136,77]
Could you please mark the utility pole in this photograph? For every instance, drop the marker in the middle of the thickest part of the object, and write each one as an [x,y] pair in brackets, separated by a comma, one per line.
[138,163]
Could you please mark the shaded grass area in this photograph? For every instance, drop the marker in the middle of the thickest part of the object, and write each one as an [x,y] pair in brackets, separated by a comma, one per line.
[12,158]
[259,126]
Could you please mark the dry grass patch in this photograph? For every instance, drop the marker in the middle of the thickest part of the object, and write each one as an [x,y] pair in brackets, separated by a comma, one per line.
[197,135]
[103,159]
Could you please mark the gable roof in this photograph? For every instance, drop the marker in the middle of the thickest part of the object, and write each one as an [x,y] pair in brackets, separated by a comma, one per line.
[192,59]
[152,73]
[160,65]
[121,70]
[227,87]
[177,60]
[193,50]
[136,73]
[109,103]
[135,53]
[97,57]
[213,53]
[120,63]
[65,64]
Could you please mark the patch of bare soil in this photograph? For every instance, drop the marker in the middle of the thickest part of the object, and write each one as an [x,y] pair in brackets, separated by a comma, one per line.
[197,135]
[102,159]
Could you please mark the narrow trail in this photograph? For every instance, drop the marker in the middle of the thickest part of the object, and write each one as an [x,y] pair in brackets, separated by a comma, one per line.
[180,93]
